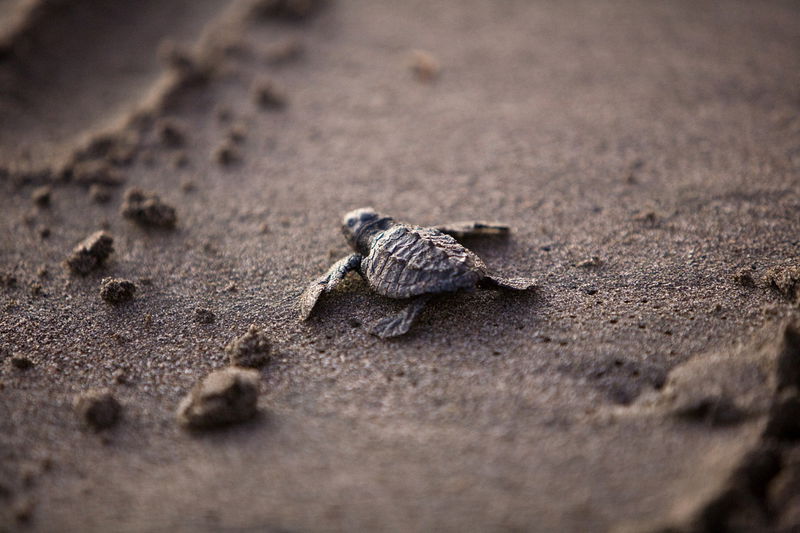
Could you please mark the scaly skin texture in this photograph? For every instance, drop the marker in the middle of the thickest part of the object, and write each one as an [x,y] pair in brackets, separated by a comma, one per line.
[407,261]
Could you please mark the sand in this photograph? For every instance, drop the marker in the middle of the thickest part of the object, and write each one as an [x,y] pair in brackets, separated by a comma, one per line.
[644,155]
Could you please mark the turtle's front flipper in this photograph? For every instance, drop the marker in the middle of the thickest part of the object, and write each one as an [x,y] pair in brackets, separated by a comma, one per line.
[396,325]
[514,284]
[460,230]
[327,282]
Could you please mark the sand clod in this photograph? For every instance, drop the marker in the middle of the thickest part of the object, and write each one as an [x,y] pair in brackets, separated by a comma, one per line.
[425,67]
[203,315]
[21,362]
[251,349]
[98,409]
[147,209]
[223,397]
[41,195]
[785,280]
[171,132]
[91,253]
[744,277]
[117,290]
[226,154]
[8,280]
[99,194]
[237,132]
[269,96]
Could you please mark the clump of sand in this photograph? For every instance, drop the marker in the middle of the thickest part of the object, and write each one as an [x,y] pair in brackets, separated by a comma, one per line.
[99,194]
[90,253]
[147,209]
[269,96]
[98,409]
[226,154]
[251,349]
[21,362]
[171,132]
[41,196]
[424,66]
[203,315]
[116,290]
[785,280]
[223,397]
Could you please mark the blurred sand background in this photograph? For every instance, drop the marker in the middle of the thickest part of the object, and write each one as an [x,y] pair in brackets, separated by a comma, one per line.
[646,154]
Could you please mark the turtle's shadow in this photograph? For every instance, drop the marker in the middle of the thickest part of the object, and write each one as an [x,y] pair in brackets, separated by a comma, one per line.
[495,312]
[450,313]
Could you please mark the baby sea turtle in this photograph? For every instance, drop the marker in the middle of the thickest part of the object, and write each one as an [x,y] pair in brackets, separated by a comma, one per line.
[403,261]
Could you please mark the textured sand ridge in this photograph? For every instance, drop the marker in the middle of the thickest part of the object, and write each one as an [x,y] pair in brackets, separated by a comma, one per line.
[646,157]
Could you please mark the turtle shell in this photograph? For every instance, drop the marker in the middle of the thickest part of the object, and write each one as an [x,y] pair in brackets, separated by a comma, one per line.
[407,261]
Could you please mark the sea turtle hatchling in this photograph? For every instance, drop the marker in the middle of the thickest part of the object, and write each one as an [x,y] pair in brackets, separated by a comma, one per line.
[403,261]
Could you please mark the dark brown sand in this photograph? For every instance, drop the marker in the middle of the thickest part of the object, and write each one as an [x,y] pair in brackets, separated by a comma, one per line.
[647,156]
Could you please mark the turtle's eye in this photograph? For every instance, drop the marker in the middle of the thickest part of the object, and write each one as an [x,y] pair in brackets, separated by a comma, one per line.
[351,222]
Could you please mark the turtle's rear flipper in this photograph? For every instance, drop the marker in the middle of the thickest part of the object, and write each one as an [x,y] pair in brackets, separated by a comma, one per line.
[514,284]
[460,230]
[326,283]
[396,325]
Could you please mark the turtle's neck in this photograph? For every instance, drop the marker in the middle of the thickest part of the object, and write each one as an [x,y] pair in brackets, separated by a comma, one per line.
[367,233]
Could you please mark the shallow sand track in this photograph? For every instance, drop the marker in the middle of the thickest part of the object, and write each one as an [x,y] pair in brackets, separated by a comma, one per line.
[62,79]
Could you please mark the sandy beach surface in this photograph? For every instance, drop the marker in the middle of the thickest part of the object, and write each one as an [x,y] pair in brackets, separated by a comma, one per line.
[646,156]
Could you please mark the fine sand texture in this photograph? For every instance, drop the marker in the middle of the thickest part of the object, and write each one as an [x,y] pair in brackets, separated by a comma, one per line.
[173,174]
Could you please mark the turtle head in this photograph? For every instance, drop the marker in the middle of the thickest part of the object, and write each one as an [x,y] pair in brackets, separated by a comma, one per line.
[360,225]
